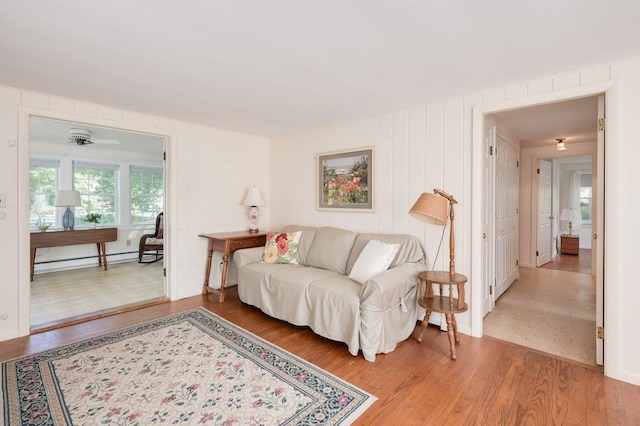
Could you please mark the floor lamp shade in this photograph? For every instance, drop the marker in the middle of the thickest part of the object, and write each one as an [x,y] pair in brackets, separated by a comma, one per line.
[430,208]
[67,198]
[436,208]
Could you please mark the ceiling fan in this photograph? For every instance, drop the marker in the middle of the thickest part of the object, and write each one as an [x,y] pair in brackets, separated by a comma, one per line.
[83,137]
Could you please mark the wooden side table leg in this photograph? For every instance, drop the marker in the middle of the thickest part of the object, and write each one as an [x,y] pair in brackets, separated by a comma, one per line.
[207,271]
[223,280]
[451,333]
[425,324]
[455,328]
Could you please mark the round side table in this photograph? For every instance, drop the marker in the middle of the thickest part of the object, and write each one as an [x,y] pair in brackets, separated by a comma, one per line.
[445,304]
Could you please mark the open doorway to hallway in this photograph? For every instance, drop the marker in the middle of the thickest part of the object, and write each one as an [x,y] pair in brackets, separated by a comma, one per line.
[551,308]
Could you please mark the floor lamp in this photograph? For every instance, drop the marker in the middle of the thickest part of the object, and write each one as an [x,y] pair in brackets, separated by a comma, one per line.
[433,208]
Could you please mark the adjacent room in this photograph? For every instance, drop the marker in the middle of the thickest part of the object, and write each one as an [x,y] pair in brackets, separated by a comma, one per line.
[116,183]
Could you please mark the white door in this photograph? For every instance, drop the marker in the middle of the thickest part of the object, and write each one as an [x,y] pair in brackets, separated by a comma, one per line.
[506,220]
[543,246]
[487,230]
[598,237]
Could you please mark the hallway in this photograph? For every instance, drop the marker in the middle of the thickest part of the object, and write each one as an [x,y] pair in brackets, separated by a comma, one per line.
[549,310]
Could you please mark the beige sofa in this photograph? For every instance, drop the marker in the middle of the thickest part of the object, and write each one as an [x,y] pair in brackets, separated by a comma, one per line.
[372,317]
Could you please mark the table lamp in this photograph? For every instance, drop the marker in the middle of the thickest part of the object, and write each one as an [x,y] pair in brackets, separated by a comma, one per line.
[433,208]
[573,217]
[67,198]
[253,200]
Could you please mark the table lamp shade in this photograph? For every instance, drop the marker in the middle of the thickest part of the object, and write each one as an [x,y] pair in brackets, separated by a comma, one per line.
[67,198]
[254,197]
[573,217]
[431,208]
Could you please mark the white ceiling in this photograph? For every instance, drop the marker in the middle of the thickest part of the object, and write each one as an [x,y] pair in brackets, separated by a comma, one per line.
[575,120]
[276,67]
[105,139]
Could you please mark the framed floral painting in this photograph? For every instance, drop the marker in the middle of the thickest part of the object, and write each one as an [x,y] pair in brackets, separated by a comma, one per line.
[346,180]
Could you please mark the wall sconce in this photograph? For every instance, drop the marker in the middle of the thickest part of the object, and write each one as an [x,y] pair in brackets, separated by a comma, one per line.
[253,200]
[560,146]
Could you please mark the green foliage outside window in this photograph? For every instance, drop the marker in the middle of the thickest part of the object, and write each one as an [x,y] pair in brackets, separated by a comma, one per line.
[146,196]
[97,189]
[42,194]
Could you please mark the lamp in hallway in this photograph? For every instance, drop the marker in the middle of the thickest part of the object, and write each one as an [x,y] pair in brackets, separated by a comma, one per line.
[573,217]
[435,208]
[560,146]
[68,199]
[253,200]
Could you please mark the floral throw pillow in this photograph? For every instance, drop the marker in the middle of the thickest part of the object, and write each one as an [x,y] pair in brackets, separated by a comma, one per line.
[281,248]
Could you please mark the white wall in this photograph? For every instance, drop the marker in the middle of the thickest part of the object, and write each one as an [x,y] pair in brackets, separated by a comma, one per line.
[208,171]
[431,147]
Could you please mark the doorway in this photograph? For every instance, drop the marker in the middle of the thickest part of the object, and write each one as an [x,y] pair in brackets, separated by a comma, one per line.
[536,128]
[120,177]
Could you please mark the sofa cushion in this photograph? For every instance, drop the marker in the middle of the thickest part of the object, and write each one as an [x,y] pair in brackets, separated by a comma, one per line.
[374,258]
[306,240]
[410,250]
[281,247]
[331,248]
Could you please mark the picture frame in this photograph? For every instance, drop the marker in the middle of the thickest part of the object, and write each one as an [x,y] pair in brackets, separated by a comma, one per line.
[346,180]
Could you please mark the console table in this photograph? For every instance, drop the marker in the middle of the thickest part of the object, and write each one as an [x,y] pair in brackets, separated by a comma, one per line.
[226,243]
[58,238]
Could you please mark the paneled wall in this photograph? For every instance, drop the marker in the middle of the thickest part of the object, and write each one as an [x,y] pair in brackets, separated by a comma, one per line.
[208,172]
[430,147]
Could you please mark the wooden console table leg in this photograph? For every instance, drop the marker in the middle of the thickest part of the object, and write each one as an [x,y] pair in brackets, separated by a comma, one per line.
[451,333]
[33,261]
[207,271]
[103,246]
[99,254]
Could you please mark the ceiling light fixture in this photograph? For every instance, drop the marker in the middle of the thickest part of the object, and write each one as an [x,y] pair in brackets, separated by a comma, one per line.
[560,146]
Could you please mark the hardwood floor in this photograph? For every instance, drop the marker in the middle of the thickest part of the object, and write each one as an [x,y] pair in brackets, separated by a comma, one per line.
[571,262]
[492,382]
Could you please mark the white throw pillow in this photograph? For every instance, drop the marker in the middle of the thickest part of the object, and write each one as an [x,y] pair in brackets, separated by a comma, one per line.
[374,258]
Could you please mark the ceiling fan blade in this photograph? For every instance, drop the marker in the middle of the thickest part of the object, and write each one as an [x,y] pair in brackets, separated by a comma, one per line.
[106,141]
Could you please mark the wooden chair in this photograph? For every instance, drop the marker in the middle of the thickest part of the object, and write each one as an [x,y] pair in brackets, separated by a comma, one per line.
[152,244]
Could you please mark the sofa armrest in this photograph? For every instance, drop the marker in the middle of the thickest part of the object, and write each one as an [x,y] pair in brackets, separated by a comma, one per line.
[246,256]
[388,308]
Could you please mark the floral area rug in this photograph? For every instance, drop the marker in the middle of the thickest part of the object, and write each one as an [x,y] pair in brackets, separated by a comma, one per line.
[189,368]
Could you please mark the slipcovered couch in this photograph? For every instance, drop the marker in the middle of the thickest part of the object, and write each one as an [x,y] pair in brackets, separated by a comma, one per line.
[317,292]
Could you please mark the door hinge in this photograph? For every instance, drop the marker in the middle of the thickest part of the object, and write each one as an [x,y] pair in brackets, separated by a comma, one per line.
[517,262]
[164,156]
[537,253]
[517,164]
[601,124]
[491,289]
[491,150]
[600,333]
[164,271]
[538,171]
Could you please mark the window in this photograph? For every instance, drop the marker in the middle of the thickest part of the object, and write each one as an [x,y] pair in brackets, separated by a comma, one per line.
[147,196]
[43,180]
[585,197]
[97,186]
